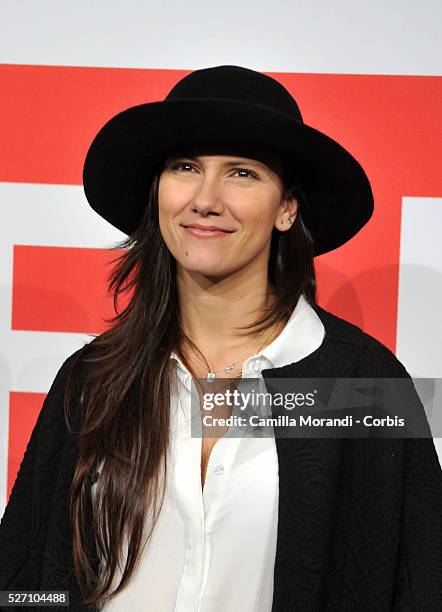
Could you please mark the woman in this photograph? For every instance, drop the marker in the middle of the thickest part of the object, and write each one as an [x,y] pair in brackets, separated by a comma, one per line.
[116,502]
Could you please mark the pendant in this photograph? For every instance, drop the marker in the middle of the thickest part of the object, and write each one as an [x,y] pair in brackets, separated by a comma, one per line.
[229,367]
[210,377]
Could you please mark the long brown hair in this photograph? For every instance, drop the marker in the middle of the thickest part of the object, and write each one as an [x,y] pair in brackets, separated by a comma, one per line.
[125,395]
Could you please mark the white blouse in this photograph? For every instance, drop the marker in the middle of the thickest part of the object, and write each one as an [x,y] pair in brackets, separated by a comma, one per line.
[214,549]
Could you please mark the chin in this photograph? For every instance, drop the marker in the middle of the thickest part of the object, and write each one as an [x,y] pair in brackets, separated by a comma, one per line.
[205,270]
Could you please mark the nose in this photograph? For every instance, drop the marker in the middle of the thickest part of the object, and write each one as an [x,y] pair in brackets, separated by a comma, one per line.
[207,198]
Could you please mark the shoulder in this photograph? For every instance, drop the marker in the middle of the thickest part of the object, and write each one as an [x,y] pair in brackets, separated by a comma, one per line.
[71,362]
[366,355]
[69,374]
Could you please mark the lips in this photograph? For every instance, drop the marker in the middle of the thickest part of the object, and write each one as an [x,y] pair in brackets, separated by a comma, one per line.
[207,228]
[209,231]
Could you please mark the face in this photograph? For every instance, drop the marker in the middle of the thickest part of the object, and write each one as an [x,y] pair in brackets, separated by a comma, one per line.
[240,198]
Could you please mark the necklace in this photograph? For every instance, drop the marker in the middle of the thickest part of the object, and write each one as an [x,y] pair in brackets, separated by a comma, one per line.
[231,364]
[232,378]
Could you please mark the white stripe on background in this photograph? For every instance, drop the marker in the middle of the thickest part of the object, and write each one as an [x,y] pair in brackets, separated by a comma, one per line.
[419,329]
[48,215]
[343,36]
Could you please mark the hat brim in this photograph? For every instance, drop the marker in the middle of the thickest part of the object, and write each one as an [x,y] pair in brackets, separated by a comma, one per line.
[128,150]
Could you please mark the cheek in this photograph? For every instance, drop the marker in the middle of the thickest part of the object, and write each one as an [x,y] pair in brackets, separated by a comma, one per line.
[258,217]
[170,202]
[165,199]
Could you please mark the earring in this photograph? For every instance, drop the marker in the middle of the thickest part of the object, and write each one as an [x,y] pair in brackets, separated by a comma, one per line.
[288,221]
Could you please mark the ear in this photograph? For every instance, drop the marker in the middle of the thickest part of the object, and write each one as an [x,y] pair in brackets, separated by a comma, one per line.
[286,213]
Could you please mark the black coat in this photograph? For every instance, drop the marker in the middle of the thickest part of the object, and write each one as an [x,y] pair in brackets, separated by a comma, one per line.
[359,522]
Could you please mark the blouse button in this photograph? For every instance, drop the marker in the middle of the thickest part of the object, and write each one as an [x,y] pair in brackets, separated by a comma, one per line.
[219,469]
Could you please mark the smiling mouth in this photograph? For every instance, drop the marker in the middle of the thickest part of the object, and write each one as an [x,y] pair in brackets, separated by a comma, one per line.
[206,233]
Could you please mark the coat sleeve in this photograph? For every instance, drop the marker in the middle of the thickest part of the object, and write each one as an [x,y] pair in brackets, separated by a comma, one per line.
[419,574]
[19,522]
[418,581]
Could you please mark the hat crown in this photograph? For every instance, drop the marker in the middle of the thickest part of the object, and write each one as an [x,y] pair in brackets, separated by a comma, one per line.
[239,85]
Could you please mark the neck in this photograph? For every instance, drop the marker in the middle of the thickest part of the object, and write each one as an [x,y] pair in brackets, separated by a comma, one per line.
[211,310]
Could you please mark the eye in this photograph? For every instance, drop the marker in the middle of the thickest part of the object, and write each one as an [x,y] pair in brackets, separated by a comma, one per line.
[182,165]
[249,172]
[179,165]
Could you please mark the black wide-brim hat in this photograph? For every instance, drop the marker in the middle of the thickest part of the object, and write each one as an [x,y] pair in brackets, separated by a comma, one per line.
[226,106]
